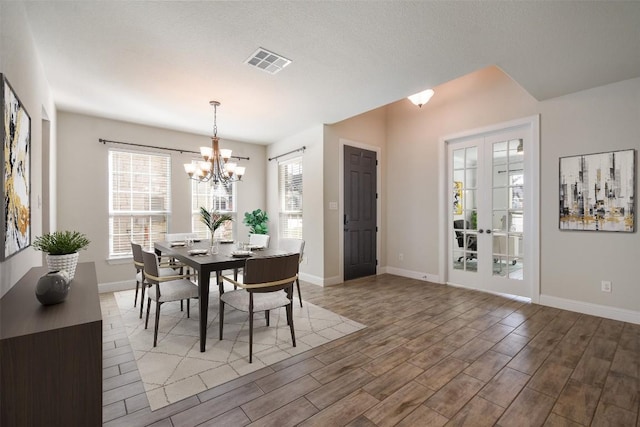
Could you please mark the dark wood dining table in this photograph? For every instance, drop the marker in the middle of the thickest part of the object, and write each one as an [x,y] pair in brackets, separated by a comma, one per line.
[206,264]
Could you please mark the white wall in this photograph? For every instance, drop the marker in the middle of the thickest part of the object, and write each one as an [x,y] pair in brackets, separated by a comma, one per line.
[311,269]
[573,263]
[20,65]
[83,181]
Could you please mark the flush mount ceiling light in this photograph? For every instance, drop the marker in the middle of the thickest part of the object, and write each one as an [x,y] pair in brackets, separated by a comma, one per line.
[216,165]
[268,61]
[421,98]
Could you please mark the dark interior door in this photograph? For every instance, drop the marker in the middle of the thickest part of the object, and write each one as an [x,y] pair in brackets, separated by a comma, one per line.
[359,213]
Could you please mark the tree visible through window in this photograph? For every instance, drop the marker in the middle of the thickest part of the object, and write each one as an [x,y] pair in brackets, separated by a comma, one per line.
[139,199]
[290,191]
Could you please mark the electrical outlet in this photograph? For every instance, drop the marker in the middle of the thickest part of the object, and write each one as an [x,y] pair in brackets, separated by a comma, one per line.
[401,256]
[606,285]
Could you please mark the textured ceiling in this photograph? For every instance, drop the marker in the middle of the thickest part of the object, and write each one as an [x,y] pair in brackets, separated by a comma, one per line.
[160,63]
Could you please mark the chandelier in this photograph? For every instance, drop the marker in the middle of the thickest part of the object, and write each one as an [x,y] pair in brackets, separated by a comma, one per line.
[216,165]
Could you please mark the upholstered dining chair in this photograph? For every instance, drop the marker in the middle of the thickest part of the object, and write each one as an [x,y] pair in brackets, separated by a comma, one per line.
[267,284]
[259,240]
[165,289]
[165,269]
[293,246]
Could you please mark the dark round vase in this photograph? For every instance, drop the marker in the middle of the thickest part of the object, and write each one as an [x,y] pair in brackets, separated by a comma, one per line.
[53,287]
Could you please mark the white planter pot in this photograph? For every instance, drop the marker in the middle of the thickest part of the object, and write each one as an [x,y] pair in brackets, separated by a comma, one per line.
[63,262]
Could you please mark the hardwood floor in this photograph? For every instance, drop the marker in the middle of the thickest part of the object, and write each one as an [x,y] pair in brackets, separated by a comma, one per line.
[431,355]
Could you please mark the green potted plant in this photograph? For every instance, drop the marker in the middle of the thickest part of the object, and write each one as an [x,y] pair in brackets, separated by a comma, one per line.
[62,249]
[257,221]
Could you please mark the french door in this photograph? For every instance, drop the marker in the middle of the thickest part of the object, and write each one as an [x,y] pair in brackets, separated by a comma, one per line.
[489,218]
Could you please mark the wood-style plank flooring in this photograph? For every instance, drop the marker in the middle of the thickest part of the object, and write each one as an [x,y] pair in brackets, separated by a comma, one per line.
[431,355]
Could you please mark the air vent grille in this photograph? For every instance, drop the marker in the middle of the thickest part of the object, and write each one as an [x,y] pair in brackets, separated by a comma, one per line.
[268,61]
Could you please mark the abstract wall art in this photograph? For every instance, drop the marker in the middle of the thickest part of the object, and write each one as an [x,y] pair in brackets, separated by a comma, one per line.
[15,170]
[597,192]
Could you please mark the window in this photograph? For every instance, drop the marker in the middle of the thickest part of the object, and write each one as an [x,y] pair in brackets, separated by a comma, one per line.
[290,191]
[219,197]
[139,199]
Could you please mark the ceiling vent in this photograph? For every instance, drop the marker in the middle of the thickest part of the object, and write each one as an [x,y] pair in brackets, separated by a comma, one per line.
[268,61]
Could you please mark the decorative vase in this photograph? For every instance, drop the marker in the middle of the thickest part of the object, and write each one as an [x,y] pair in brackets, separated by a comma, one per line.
[64,262]
[215,247]
[53,287]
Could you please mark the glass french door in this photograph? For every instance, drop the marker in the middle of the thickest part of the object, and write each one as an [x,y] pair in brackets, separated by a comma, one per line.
[487,178]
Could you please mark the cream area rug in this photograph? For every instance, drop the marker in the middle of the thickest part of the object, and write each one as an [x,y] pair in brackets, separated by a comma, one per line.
[176,369]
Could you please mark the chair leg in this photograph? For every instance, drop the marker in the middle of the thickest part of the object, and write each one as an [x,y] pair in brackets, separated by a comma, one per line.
[250,336]
[299,294]
[221,309]
[188,315]
[135,300]
[290,320]
[181,305]
[155,332]
[144,287]
[146,322]
[266,316]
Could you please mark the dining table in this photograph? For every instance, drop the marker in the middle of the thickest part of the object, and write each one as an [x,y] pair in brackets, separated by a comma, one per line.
[204,263]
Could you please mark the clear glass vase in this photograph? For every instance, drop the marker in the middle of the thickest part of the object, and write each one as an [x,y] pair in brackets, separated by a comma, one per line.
[215,246]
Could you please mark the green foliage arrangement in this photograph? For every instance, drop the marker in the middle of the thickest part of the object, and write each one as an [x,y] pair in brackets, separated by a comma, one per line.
[214,219]
[61,242]
[257,221]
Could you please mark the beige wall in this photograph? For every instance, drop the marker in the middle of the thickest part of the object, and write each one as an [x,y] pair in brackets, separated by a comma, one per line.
[479,99]
[573,263]
[20,65]
[83,181]
[312,177]
[369,129]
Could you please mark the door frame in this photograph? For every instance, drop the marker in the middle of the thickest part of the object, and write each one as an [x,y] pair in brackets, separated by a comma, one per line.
[378,151]
[532,163]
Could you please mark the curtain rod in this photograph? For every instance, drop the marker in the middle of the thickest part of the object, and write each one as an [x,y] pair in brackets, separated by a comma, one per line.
[292,151]
[104,141]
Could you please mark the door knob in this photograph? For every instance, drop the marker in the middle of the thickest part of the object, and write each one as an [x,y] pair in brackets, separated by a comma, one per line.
[481,231]
[488,231]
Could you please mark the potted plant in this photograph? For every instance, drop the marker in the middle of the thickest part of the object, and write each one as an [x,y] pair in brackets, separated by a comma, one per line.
[257,221]
[62,249]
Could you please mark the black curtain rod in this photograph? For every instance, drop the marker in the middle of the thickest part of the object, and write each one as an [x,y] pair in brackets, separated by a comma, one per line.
[104,141]
[292,151]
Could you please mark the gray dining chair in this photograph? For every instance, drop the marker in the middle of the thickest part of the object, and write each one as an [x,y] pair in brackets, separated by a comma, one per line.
[267,285]
[166,268]
[165,289]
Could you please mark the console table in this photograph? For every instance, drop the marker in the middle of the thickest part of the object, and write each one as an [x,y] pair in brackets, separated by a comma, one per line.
[51,356]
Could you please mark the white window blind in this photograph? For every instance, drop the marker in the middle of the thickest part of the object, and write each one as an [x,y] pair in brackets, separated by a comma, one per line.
[139,199]
[290,192]
[219,197]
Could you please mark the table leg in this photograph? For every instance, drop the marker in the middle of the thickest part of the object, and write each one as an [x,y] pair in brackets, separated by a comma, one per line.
[203,295]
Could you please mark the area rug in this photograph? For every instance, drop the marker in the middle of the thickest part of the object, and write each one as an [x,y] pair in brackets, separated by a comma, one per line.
[176,368]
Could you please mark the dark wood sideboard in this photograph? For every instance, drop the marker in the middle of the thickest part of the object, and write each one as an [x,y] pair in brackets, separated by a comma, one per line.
[51,357]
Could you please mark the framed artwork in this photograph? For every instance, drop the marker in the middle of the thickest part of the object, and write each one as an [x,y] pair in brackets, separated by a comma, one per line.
[597,192]
[457,198]
[15,132]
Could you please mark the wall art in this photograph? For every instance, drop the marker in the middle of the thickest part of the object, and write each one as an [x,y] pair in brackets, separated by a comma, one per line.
[597,192]
[16,173]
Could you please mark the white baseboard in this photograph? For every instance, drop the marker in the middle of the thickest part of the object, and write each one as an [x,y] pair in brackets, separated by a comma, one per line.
[310,278]
[614,313]
[413,274]
[125,285]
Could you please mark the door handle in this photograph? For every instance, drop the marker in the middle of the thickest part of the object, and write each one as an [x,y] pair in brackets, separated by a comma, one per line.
[488,231]
[346,219]
[481,231]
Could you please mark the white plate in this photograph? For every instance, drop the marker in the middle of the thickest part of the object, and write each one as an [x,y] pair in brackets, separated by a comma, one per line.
[240,254]
[197,252]
[256,247]
[177,243]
